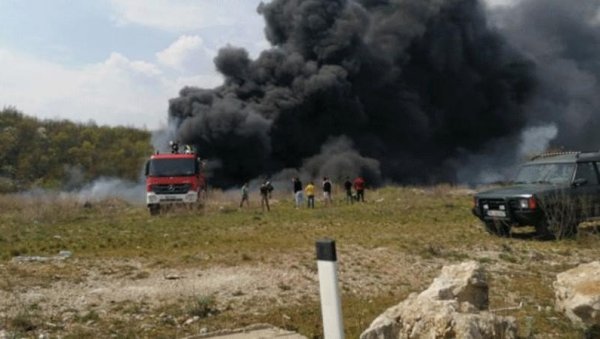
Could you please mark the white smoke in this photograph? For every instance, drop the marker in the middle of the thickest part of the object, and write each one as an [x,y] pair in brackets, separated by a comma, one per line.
[98,190]
[536,140]
[161,137]
[105,188]
[74,177]
[496,163]
[501,3]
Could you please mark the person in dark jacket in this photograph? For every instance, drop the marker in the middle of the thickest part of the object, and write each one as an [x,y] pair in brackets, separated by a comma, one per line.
[269,188]
[298,194]
[265,192]
[327,191]
[348,188]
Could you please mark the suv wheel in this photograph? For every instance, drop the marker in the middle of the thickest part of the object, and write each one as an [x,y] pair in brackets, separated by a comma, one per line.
[555,229]
[498,228]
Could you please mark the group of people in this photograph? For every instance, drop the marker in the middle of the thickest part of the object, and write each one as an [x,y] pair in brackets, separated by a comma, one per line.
[310,192]
[265,194]
[359,187]
[326,186]
[266,188]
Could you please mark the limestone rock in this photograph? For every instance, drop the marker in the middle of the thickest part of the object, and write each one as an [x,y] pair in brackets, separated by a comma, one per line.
[577,294]
[465,282]
[452,307]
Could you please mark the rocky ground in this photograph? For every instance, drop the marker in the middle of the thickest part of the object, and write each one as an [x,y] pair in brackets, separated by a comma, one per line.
[65,290]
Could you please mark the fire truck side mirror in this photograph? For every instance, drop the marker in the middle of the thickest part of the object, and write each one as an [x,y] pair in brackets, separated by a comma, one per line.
[147,168]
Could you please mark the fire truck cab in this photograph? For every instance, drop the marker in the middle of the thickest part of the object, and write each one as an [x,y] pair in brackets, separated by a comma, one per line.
[173,178]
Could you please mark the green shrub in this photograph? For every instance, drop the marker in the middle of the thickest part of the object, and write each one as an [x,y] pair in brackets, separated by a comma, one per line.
[202,306]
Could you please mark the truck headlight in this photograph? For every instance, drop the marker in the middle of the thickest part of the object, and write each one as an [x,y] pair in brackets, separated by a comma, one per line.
[523,204]
[529,203]
[190,197]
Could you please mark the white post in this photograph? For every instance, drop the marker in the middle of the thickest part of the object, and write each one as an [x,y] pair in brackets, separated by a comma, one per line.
[331,305]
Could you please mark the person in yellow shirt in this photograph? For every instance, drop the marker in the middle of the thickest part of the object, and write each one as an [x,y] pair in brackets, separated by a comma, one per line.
[310,194]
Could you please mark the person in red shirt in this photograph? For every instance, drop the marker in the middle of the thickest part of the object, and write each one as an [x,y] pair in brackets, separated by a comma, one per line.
[359,187]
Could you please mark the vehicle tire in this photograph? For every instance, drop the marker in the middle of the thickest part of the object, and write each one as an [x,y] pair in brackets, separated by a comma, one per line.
[154,209]
[555,229]
[568,230]
[543,231]
[499,228]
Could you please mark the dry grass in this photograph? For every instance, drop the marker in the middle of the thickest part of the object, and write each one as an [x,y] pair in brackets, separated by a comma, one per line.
[388,247]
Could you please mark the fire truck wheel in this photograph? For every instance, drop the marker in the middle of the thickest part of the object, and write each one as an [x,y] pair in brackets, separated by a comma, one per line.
[154,209]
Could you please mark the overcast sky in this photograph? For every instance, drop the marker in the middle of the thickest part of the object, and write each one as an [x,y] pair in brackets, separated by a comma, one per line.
[117,62]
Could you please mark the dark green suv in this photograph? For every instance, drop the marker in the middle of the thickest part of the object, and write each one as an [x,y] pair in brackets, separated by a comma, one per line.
[553,192]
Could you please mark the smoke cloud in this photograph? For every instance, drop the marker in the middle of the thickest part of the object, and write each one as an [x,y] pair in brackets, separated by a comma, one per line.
[401,90]
[536,140]
[564,42]
[105,188]
[338,159]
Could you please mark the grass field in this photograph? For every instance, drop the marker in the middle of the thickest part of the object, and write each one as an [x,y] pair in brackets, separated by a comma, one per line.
[185,272]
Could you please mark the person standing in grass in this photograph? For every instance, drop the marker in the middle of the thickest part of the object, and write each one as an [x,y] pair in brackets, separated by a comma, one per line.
[265,191]
[245,196]
[269,188]
[298,195]
[327,191]
[310,194]
[348,188]
[359,186]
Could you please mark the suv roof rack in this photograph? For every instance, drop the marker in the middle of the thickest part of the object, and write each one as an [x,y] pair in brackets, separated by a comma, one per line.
[555,154]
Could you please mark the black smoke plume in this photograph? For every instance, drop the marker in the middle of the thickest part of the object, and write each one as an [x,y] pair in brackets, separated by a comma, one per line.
[338,160]
[408,85]
[563,39]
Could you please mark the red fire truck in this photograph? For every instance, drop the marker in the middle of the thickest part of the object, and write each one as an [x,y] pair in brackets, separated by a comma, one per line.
[174,178]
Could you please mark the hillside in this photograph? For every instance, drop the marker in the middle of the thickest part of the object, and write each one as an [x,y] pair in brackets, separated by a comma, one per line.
[61,154]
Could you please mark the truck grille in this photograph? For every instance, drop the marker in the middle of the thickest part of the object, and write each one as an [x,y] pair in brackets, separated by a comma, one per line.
[171,188]
[494,204]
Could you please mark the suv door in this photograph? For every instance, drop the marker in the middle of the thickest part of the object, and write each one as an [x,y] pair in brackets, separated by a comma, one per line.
[587,192]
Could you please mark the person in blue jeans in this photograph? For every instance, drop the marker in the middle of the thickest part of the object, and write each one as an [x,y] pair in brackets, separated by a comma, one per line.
[310,194]
[245,196]
[327,191]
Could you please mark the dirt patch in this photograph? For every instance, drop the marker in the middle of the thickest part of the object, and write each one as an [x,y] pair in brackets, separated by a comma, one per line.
[78,284]
[101,287]
[77,292]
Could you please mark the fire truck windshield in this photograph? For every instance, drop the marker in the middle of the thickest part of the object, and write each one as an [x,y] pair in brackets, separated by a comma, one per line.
[172,167]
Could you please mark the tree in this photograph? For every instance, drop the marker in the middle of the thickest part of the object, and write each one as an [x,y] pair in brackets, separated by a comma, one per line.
[37,153]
